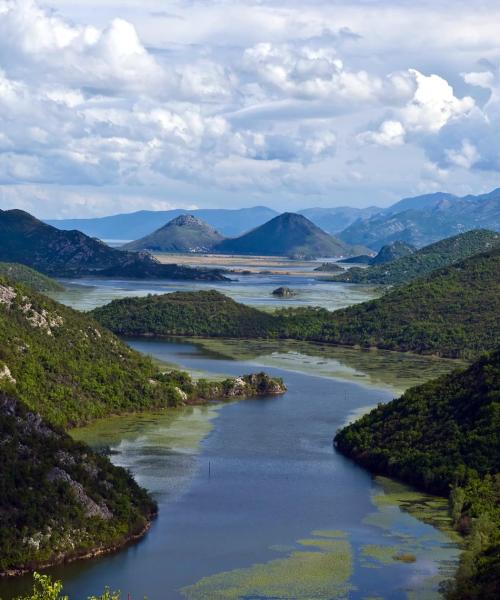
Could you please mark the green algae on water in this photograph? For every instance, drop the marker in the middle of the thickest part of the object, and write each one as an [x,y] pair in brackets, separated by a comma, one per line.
[320,574]
[394,370]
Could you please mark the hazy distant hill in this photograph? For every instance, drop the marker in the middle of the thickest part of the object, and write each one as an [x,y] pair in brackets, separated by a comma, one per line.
[28,241]
[424,261]
[426,219]
[336,219]
[185,233]
[132,226]
[289,234]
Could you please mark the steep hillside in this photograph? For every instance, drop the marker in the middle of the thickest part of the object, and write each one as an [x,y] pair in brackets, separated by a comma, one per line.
[439,436]
[425,260]
[30,277]
[28,241]
[452,313]
[132,226]
[288,234]
[185,233]
[423,220]
[65,366]
[58,498]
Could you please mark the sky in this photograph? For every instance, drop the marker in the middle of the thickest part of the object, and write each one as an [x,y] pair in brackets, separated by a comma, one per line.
[111,106]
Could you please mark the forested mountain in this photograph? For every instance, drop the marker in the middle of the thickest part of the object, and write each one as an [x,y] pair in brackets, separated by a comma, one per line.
[288,234]
[426,219]
[452,313]
[439,436]
[423,261]
[58,253]
[30,277]
[132,226]
[185,233]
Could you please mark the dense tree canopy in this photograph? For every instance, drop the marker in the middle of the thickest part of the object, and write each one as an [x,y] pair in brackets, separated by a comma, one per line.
[451,313]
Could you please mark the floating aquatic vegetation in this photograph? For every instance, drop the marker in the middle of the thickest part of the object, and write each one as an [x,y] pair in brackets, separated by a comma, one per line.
[320,574]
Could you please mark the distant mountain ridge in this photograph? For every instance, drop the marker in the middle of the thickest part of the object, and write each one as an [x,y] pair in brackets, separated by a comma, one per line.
[57,253]
[336,219]
[185,233]
[136,225]
[426,219]
[288,234]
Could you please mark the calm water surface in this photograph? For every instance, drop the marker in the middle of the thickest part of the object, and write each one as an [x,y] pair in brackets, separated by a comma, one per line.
[256,290]
[256,504]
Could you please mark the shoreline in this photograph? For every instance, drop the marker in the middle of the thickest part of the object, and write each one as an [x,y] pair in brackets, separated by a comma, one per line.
[84,554]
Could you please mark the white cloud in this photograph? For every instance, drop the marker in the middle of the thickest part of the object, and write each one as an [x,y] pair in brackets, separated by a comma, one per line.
[465,157]
[267,100]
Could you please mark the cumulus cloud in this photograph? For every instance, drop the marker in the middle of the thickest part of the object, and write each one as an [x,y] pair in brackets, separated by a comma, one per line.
[280,103]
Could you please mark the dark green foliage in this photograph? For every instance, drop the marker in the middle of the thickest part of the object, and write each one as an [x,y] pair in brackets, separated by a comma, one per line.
[58,253]
[437,434]
[444,437]
[451,313]
[56,495]
[69,368]
[203,313]
[30,277]
[424,261]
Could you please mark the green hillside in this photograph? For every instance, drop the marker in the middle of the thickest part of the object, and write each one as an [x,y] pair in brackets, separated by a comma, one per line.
[439,436]
[451,313]
[30,277]
[57,497]
[185,233]
[424,261]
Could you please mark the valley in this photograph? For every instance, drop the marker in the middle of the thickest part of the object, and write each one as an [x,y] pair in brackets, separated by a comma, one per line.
[351,529]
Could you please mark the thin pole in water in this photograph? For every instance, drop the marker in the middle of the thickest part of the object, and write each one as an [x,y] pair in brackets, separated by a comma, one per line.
[209,469]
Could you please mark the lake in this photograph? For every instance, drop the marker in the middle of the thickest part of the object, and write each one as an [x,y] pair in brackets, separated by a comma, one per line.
[254,501]
[255,290]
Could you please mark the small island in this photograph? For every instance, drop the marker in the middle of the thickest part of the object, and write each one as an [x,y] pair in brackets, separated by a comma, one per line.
[284,292]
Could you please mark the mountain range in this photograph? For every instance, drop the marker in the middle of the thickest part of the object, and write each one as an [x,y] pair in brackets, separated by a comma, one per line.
[136,225]
[288,234]
[425,219]
[418,220]
[28,241]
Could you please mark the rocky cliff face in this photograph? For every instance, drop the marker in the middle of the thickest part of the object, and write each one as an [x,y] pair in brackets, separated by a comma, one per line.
[59,499]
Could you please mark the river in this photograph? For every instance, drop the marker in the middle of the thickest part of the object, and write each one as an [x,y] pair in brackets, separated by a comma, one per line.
[255,503]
